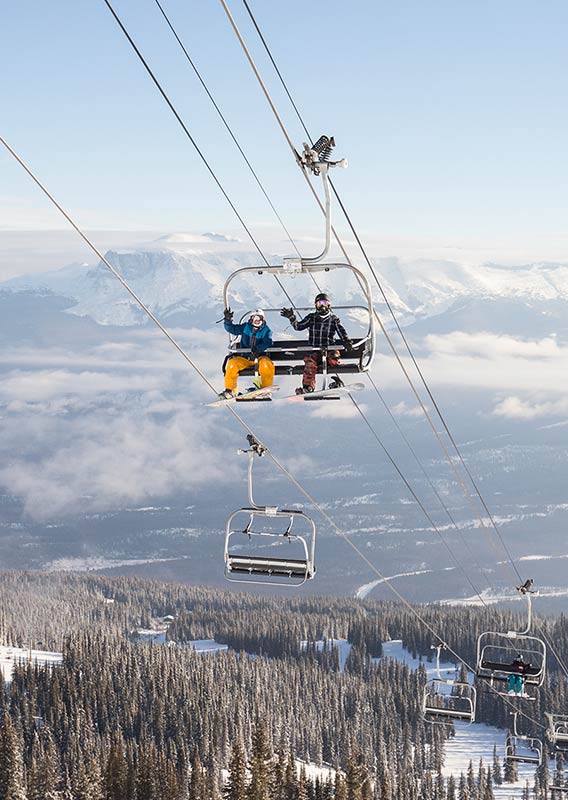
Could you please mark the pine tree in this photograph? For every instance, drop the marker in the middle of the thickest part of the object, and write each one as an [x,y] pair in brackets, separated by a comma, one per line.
[146,774]
[116,773]
[340,788]
[12,784]
[496,771]
[463,792]
[510,771]
[196,782]
[451,788]
[302,785]
[260,758]
[354,773]
[236,788]
[89,781]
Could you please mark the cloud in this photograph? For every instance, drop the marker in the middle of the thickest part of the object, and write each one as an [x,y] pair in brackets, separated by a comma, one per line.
[487,361]
[334,409]
[516,408]
[402,409]
[105,462]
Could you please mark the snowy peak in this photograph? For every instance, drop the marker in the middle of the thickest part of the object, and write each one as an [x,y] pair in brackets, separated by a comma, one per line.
[180,276]
[430,287]
[192,238]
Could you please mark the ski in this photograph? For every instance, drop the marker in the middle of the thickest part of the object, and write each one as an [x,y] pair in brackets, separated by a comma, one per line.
[258,394]
[326,394]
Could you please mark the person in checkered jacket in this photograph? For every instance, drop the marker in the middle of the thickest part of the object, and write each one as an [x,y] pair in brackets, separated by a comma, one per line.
[322,326]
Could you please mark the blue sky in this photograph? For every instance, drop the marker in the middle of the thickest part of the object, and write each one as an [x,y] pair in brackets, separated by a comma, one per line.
[453,116]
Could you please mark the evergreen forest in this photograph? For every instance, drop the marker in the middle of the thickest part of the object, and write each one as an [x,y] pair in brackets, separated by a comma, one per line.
[266,719]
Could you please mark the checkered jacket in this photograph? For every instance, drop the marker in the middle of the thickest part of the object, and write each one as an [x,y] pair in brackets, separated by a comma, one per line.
[321,330]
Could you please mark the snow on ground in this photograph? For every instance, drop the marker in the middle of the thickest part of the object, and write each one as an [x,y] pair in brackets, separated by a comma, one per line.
[207,646]
[93,563]
[367,588]
[476,741]
[394,649]
[323,772]
[471,742]
[488,596]
[343,646]
[313,771]
[9,656]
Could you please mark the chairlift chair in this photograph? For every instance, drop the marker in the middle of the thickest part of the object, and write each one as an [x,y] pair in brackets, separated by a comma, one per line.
[557,731]
[288,354]
[497,649]
[523,749]
[448,700]
[249,546]
[554,786]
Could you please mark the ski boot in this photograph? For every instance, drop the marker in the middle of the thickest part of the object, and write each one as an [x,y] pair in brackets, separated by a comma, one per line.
[304,389]
[335,382]
[227,394]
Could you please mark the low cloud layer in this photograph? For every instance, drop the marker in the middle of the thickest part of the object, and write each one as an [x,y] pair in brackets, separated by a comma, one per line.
[106,461]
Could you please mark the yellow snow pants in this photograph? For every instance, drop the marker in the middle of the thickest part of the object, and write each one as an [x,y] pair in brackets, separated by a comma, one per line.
[236,363]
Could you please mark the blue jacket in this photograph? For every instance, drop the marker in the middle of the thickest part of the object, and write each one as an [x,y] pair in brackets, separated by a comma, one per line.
[258,340]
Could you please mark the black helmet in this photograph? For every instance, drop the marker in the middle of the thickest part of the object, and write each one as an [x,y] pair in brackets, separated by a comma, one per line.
[322,304]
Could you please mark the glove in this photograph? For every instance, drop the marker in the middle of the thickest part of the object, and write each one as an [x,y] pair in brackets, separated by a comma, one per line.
[228,315]
[348,344]
[288,313]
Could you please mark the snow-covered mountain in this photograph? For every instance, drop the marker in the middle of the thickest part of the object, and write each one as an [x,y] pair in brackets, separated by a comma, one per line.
[431,287]
[181,276]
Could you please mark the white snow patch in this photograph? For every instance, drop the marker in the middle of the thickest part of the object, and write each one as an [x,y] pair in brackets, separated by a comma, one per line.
[394,649]
[92,563]
[473,742]
[342,645]
[207,646]
[488,597]
[367,588]
[323,772]
[10,656]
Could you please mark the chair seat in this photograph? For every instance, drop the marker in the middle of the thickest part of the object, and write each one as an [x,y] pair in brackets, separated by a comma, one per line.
[495,666]
[257,565]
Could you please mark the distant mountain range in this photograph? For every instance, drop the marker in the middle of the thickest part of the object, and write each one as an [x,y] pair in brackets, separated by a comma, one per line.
[181,276]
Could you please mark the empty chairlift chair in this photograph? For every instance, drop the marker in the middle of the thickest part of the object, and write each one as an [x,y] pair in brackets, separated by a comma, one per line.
[447,700]
[266,544]
[557,731]
[523,749]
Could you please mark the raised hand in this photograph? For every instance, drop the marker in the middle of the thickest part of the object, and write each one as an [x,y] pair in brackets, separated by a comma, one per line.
[288,313]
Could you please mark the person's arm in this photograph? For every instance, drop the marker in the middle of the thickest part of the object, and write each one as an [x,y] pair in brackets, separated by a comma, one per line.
[307,322]
[342,333]
[231,327]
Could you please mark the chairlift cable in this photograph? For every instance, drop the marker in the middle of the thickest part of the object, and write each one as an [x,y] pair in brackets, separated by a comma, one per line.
[414,495]
[239,148]
[557,656]
[237,416]
[387,336]
[191,139]
[227,126]
[428,390]
[385,332]
[431,484]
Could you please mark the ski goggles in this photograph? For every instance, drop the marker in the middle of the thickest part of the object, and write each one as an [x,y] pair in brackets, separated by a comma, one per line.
[323,304]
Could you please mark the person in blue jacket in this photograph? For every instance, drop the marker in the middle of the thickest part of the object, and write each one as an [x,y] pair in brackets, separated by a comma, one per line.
[256,336]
